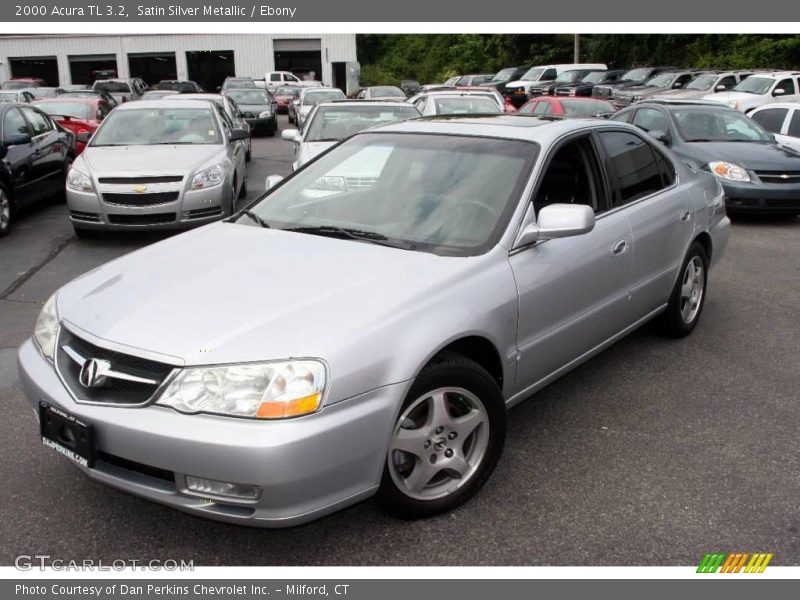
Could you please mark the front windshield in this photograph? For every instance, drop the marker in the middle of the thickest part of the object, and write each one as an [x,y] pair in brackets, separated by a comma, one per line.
[249,96]
[662,80]
[461,105]
[8,97]
[239,83]
[334,123]
[702,83]
[754,85]
[387,91]
[586,107]
[596,77]
[636,75]
[704,125]
[448,194]
[158,126]
[569,77]
[77,110]
[314,98]
[287,91]
[504,74]
[112,86]
[16,85]
[156,94]
[532,74]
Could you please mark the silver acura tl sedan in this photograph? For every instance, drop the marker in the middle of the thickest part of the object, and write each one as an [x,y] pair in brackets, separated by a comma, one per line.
[158,164]
[394,297]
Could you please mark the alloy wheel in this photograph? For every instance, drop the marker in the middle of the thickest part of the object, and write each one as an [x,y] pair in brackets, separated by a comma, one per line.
[5,211]
[438,443]
[692,289]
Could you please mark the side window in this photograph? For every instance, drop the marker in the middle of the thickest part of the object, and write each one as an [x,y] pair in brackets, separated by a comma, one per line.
[275,77]
[787,85]
[102,110]
[548,75]
[226,121]
[650,119]
[572,177]
[39,123]
[542,108]
[794,124]
[623,117]
[632,166]
[728,82]
[237,112]
[665,167]
[771,119]
[682,80]
[291,78]
[14,124]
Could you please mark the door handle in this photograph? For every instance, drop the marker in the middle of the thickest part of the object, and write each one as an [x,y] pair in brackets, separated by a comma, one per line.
[619,248]
[686,216]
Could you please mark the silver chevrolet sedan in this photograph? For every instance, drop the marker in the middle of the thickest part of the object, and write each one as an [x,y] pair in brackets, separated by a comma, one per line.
[394,298]
[158,164]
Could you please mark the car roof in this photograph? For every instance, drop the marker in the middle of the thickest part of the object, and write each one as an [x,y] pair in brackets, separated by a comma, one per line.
[776,74]
[79,99]
[163,103]
[683,104]
[515,127]
[789,105]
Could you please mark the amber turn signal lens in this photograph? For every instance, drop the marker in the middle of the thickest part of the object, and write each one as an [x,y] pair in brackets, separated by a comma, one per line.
[290,408]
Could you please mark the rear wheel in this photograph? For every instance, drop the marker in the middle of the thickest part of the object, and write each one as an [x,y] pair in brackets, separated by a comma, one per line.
[6,210]
[446,441]
[688,295]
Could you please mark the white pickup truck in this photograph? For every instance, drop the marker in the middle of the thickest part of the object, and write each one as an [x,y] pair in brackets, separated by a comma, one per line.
[275,79]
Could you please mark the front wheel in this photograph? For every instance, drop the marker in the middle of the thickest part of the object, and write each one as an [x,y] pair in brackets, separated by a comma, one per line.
[6,210]
[689,294]
[446,441]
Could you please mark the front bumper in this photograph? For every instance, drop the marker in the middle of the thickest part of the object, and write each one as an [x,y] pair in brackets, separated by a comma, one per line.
[306,467]
[191,208]
[766,198]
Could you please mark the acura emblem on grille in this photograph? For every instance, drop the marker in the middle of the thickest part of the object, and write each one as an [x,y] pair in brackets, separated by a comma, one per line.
[93,372]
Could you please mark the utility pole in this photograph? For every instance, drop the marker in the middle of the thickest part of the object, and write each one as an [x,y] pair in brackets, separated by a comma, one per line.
[576,54]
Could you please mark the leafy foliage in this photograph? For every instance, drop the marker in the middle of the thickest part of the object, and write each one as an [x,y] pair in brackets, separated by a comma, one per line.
[389,58]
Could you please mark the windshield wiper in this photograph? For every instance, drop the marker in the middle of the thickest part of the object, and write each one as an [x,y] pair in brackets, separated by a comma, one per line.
[372,237]
[254,217]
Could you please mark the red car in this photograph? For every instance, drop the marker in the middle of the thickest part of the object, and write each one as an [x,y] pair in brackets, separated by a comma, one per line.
[567,107]
[284,96]
[79,115]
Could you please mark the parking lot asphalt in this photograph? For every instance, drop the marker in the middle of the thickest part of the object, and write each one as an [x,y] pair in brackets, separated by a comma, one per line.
[653,453]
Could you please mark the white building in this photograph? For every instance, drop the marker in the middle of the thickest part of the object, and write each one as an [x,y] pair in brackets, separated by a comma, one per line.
[205,58]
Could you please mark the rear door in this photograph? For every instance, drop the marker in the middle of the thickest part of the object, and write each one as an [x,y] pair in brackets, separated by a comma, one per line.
[49,148]
[660,212]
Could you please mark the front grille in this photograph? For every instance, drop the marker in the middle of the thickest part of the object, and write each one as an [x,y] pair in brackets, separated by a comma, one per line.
[140,199]
[779,176]
[200,213]
[129,380]
[135,180]
[150,219]
[90,217]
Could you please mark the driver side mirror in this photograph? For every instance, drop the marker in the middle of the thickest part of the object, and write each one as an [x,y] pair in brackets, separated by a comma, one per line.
[677,85]
[238,135]
[779,92]
[290,135]
[661,136]
[558,221]
[17,139]
[720,88]
[272,181]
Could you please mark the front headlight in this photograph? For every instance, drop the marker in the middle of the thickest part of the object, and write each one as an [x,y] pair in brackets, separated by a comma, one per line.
[728,171]
[209,177]
[270,390]
[78,181]
[46,330]
[265,114]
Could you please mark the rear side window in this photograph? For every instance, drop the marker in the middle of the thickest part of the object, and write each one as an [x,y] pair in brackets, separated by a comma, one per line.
[788,87]
[771,119]
[548,75]
[632,166]
[38,121]
[274,76]
[794,125]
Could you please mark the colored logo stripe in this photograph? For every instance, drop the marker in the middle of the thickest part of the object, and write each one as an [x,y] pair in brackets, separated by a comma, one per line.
[734,562]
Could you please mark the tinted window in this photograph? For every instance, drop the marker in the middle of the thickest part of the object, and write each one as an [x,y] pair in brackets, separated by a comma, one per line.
[14,124]
[666,168]
[787,85]
[650,119]
[632,165]
[794,124]
[38,121]
[771,119]
[549,75]
[728,82]
[275,77]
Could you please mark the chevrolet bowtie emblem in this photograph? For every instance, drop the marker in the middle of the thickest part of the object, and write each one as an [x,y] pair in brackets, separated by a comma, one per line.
[140,189]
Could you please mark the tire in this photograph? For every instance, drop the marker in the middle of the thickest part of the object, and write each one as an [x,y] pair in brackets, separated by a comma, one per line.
[688,296]
[412,485]
[6,210]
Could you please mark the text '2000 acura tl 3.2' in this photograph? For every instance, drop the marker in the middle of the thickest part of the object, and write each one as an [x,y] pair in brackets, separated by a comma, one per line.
[393,299]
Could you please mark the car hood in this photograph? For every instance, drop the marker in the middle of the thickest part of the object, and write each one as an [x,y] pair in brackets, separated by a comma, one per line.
[236,293]
[309,150]
[753,156]
[633,89]
[726,97]
[147,160]
[684,94]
